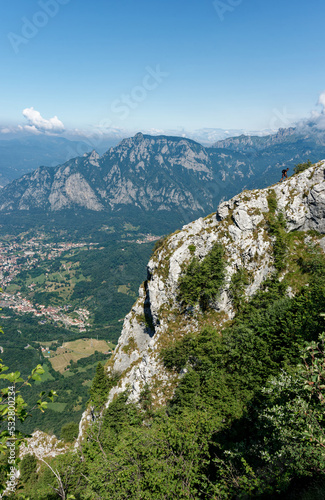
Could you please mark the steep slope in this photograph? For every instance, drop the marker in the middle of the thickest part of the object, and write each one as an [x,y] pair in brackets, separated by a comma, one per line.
[242,227]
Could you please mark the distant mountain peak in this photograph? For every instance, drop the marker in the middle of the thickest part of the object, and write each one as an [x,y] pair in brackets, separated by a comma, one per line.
[173,175]
[92,157]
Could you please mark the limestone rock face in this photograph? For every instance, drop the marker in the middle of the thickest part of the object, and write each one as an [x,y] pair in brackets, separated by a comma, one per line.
[150,173]
[240,226]
[42,445]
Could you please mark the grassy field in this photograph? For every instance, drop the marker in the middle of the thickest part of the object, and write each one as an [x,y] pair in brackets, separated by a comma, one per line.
[46,375]
[59,407]
[62,281]
[82,348]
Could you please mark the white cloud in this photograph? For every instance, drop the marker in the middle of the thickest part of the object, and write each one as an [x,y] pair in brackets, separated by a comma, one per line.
[32,129]
[38,124]
[321,101]
[316,121]
[5,131]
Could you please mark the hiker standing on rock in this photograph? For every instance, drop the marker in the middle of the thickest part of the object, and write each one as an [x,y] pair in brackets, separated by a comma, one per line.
[284,174]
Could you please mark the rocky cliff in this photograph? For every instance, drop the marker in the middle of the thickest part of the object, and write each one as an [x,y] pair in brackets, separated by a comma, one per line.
[241,225]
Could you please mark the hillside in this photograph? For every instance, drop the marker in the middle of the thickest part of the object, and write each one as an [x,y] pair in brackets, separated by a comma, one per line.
[241,227]
[205,395]
[207,355]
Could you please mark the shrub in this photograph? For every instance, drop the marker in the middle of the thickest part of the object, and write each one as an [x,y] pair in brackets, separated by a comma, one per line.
[300,167]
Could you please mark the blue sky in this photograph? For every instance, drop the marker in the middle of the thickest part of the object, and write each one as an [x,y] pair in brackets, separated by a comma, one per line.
[164,65]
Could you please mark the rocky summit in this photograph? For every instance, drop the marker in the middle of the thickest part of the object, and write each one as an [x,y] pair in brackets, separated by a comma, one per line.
[241,226]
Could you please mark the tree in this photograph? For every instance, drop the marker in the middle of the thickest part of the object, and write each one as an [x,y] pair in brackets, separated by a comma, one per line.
[69,432]
[100,387]
[13,408]
[285,438]
[300,167]
[201,281]
[27,468]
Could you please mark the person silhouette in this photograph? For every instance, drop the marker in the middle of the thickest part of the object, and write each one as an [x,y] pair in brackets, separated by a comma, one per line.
[284,174]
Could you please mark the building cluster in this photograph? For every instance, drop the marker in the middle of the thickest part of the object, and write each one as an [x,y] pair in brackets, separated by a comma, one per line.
[19,255]
[54,313]
[147,239]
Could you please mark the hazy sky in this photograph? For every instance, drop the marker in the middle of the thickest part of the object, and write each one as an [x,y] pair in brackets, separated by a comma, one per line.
[160,64]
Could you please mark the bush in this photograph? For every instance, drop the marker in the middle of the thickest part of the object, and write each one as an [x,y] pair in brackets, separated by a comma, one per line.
[300,167]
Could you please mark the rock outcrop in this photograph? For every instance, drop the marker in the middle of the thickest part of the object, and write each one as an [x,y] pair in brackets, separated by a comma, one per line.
[240,225]
[42,446]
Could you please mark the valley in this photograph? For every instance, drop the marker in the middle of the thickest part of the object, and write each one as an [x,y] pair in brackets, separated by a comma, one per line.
[75,241]
[63,303]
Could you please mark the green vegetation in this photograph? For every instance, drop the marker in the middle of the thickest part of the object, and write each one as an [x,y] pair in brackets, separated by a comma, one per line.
[13,410]
[300,167]
[72,386]
[69,432]
[73,395]
[201,281]
[211,441]
[272,201]
[239,280]
[28,469]
[246,419]
[192,248]
[103,279]
[277,229]
[99,388]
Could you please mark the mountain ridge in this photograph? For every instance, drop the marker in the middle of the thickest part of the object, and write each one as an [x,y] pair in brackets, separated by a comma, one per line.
[241,226]
[174,175]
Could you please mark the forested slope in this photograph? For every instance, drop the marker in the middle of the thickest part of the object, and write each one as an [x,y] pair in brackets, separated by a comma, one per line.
[216,388]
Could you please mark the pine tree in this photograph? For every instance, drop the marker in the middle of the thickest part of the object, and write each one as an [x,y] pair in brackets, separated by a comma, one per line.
[100,387]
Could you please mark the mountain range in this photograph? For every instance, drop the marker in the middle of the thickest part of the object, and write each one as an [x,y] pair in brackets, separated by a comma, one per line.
[174,176]
[21,155]
[206,390]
